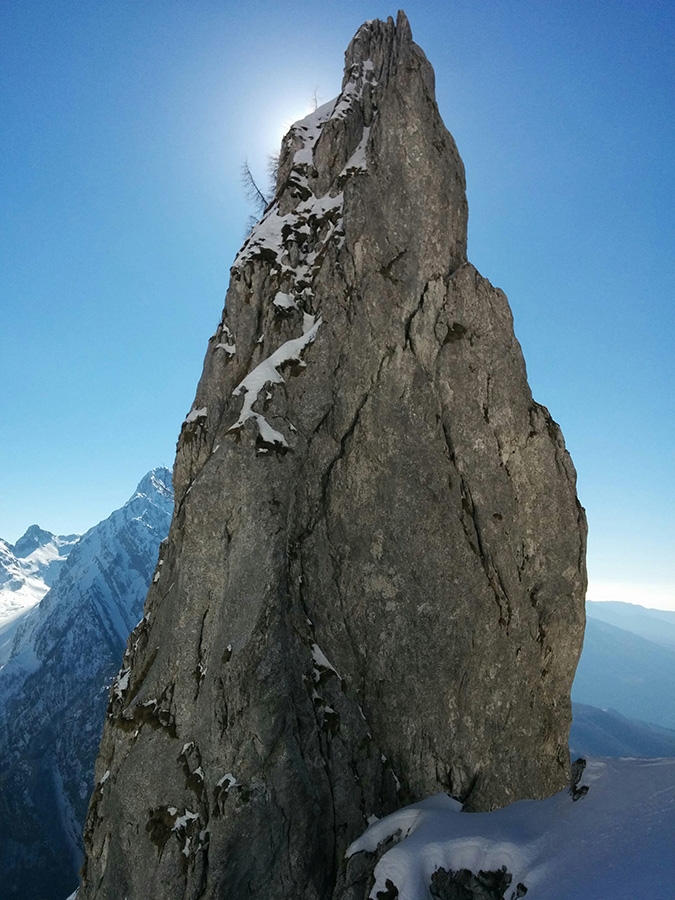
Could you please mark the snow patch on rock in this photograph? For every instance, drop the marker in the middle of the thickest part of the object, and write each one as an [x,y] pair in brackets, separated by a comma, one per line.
[267,372]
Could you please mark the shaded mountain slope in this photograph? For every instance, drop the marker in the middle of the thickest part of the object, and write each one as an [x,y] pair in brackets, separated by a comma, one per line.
[622,671]
[605,732]
[54,688]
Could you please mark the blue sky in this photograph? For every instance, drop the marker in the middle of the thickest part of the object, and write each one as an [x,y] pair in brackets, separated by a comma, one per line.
[124,125]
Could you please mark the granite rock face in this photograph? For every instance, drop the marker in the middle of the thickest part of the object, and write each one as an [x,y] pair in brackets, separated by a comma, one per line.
[373,585]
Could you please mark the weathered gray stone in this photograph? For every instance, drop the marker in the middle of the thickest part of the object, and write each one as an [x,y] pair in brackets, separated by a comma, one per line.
[465,885]
[373,585]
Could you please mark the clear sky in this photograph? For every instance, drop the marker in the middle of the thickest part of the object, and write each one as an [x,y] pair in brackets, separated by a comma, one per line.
[123,127]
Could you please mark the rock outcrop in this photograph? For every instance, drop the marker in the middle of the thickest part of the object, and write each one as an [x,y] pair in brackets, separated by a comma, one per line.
[373,584]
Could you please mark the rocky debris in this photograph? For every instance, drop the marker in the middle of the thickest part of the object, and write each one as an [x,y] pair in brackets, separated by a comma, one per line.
[373,585]
[577,770]
[464,885]
[390,891]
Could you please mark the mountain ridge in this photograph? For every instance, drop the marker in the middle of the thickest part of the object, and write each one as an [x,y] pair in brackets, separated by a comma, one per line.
[27,570]
[622,670]
[657,625]
[54,686]
[606,732]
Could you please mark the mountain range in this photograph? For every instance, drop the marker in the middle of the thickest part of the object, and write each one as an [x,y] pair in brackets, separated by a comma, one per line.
[27,570]
[657,625]
[628,667]
[60,659]
[605,732]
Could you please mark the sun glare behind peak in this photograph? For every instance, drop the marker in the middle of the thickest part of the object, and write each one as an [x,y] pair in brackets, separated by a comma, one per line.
[298,113]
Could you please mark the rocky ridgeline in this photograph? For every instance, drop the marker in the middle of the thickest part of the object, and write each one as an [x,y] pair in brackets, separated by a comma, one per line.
[373,586]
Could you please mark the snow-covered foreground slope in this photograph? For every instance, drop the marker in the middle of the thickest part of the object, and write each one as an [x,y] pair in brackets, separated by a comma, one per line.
[614,843]
[54,687]
[27,570]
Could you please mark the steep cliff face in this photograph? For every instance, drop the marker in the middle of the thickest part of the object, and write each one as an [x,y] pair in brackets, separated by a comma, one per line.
[373,585]
[53,689]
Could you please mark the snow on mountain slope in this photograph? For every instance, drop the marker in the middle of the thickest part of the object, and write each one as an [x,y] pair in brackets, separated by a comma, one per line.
[615,842]
[43,553]
[27,571]
[54,687]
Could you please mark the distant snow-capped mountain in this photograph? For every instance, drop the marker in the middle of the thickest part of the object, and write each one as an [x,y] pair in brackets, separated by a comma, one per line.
[62,656]
[27,570]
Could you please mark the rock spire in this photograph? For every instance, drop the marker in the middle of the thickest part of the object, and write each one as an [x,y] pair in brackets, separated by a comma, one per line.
[373,585]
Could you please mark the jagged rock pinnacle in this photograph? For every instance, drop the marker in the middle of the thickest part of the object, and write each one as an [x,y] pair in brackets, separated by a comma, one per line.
[373,585]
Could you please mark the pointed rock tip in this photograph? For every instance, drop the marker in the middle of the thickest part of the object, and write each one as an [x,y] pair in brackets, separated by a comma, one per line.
[385,45]
[401,27]
[403,30]
[390,35]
